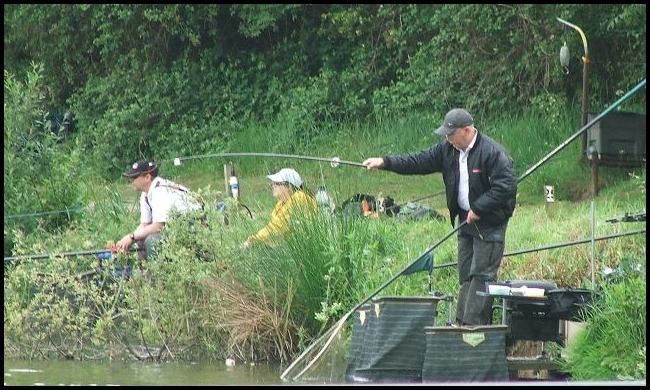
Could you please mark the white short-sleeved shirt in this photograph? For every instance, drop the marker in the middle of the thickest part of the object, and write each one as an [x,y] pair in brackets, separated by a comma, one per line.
[163,197]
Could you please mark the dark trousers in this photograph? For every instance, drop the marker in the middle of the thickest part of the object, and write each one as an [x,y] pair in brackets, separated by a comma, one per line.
[479,257]
[145,247]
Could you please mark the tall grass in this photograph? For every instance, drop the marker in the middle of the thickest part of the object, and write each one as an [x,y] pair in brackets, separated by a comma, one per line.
[325,264]
[613,345]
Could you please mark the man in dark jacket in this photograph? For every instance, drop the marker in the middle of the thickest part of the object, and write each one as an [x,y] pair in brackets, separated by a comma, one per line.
[481,189]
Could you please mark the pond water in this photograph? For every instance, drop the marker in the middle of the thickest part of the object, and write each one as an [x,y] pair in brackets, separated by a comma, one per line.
[56,372]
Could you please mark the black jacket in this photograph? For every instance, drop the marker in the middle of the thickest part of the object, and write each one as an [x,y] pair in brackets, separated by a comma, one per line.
[492,184]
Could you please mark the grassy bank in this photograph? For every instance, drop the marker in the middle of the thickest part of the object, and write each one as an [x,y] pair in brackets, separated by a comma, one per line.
[211,298]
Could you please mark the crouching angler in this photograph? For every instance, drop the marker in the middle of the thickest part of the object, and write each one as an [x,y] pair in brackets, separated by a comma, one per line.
[158,199]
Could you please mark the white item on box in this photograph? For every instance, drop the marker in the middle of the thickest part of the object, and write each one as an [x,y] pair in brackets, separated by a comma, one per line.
[497,289]
[534,292]
[525,291]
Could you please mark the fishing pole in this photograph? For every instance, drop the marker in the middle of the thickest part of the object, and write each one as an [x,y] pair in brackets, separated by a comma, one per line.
[27,215]
[334,161]
[555,246]
[638,217]
[91,252]
[583,129]
[521,178]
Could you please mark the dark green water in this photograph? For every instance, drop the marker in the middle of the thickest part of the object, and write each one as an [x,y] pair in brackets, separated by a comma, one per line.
[55,372]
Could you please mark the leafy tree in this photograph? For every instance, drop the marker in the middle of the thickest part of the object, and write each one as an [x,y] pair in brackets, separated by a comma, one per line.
[39,173]
[189,77]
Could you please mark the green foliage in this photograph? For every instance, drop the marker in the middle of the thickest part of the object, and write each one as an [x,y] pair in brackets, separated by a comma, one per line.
[612,347]
[256,18]
[197,74]
[165,306]
[347,80]
[324,259]
[40,173]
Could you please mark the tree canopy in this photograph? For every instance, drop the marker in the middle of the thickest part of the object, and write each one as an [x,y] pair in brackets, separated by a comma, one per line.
[189,76]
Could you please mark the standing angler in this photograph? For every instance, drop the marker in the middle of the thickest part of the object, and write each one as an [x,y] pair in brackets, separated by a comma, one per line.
[481,189]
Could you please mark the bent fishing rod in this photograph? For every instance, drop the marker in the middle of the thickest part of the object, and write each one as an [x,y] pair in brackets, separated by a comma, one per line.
[334,161]
[431,248]
[91,252]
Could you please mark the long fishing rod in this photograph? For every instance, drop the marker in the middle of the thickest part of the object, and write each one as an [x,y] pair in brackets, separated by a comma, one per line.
[66,254]
[522,177]
[555,246]
[584,128]
[334,161]
[28,215]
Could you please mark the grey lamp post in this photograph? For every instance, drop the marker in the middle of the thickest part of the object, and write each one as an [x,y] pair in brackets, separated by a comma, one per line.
[564,57]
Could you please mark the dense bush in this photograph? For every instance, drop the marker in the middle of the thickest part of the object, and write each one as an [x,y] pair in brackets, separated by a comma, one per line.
[201,295]
[613,345]
[152,80]
[40,174]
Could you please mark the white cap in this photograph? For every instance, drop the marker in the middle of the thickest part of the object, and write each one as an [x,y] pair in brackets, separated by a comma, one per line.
[287,175]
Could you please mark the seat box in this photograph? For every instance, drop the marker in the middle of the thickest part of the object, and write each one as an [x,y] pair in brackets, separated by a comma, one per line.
[465,354]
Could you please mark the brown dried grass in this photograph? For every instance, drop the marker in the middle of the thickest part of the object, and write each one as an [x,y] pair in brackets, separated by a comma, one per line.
[257,328]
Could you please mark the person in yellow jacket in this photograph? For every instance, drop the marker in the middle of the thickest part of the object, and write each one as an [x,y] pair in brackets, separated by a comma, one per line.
[287,187]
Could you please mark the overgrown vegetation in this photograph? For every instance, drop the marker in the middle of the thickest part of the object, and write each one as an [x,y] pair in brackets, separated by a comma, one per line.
[39,173]
[613,346]
[328,80]
[161,80]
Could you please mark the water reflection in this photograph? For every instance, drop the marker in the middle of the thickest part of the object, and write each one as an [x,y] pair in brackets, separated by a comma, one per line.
[53,373]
